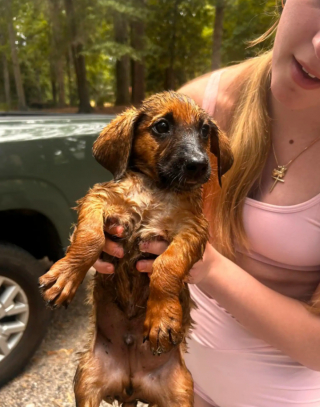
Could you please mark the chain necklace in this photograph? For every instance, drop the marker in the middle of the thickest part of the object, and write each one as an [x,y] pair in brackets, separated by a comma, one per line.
[279,173]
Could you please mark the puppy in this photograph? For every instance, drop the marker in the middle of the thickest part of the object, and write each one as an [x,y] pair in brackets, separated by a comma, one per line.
[159,156]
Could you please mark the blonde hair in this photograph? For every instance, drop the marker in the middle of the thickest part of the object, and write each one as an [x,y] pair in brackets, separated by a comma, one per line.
[250,141]
[250,138]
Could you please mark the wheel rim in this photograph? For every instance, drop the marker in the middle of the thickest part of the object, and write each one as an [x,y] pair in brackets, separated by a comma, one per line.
[14,315]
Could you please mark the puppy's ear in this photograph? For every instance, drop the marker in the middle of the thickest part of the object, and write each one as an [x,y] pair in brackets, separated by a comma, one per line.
[112,148]
[220,147]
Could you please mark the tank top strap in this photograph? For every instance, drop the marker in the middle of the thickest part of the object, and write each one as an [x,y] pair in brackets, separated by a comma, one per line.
[211,92]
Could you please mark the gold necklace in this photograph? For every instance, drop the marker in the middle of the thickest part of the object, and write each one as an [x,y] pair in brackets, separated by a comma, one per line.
[279,173]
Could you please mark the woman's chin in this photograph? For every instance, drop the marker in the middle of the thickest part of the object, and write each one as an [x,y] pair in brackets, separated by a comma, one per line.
[292,97]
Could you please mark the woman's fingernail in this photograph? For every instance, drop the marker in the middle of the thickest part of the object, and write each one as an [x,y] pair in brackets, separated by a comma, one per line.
[143,246]
[118,252]
[141,266]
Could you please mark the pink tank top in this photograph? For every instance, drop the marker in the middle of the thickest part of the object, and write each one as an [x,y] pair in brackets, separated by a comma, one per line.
[283,236]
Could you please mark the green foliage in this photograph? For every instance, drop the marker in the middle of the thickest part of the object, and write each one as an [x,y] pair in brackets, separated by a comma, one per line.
[245,21]
[178,40]
[183,34]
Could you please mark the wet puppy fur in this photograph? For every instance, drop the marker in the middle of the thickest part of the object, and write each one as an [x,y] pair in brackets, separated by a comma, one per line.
[159,156]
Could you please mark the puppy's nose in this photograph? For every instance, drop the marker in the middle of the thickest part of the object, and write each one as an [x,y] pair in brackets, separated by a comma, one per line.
[196,166]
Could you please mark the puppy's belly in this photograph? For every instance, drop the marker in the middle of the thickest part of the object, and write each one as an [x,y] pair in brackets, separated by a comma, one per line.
[127,369]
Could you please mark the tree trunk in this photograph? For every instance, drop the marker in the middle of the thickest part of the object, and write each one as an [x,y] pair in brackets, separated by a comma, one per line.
[72,96]
[53,84]
[60,82]
[6,80]
[78,59]
[15,60]
[57,50]
[169,73]
[217,35]
[6,77]
[138,67]
[122,64]
[40,99]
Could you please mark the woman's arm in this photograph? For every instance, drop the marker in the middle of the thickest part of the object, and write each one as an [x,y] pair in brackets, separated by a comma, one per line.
[281,321]
[278,320]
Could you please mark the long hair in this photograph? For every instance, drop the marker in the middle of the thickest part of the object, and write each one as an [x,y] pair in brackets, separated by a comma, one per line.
[250,137]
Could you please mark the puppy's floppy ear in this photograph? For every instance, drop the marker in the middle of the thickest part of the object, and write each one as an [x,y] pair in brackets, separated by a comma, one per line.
[220,147]
[112,148]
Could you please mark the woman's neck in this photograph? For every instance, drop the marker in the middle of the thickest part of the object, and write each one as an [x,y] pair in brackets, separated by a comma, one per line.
[298,125]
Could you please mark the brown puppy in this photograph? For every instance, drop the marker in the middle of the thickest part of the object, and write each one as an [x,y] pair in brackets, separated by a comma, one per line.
[159,156]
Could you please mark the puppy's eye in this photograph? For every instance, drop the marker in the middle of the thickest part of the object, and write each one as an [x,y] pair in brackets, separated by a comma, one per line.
[205,131]
[162,127]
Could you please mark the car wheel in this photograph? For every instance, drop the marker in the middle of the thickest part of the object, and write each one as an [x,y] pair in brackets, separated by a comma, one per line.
[23,315]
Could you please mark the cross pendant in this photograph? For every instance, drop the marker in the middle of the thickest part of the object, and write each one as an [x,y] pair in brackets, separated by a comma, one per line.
[278,175]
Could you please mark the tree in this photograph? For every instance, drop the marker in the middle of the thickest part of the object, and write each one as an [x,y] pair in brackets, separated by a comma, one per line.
[138,65]
[179,48]
[122,64]
[15,59]
[217,34]
[6,80]
[246,20]
[6,76]
[170,74]
[58,48]
[78,59]
[62,48]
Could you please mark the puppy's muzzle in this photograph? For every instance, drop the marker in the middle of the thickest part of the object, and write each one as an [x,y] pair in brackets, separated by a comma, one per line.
[186,171]
[196,168]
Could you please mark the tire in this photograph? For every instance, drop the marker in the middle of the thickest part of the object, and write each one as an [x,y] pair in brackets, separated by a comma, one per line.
[23,311]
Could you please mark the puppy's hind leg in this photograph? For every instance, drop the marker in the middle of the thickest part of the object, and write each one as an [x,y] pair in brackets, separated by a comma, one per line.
[86,402]
[86,390]
[178,389]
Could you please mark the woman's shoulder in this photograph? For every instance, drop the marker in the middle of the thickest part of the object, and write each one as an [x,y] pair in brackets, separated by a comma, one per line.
[196,89]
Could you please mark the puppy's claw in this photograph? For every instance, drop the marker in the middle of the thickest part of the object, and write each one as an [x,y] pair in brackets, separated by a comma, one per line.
[51,305]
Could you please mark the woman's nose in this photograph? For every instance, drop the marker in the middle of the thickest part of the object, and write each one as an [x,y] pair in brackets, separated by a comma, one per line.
[316,44]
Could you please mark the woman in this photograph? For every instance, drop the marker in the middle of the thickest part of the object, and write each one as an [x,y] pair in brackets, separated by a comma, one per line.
[255,343]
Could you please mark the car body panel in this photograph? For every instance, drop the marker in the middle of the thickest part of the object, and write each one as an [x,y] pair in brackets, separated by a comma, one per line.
[46,165]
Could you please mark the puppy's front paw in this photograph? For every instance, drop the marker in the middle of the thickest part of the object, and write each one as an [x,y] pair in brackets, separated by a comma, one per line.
[163,325]
[59,285]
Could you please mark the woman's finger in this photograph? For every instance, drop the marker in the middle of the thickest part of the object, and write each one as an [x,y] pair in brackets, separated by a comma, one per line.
[145,266]
[103,267]
[113,248]
[114,229]
[154,247]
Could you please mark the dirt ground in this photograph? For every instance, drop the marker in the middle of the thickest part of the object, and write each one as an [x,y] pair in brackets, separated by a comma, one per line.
[47,379]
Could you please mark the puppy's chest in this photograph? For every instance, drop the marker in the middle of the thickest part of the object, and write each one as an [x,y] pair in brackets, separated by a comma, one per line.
[158,212]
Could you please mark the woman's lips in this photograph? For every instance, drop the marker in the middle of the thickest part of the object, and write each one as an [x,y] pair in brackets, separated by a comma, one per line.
[301,78]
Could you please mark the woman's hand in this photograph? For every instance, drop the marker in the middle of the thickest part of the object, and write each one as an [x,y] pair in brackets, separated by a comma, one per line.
[115,249]
[110,247]
[156,247]
[201,269]
[197,274]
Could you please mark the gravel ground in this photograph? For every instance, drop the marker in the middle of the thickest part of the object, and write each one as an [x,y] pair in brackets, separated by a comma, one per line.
[47,381]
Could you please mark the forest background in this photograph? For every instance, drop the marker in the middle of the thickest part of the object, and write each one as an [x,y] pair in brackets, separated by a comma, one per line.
[91,55]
